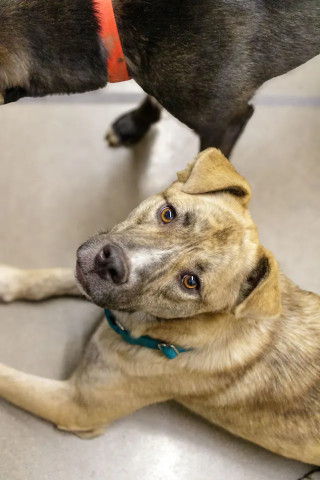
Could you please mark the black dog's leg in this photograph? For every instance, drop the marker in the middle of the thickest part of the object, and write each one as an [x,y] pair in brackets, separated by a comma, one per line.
[225,138]
[235,129]
[132,126]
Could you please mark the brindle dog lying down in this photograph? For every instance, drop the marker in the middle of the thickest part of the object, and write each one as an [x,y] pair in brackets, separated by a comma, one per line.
[202,61]
[200,314]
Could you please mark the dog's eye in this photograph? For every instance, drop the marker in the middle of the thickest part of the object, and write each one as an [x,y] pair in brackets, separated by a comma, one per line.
[167,214]
[190,281]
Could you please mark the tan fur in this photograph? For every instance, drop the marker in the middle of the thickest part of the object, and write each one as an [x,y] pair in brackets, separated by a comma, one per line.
[15,69]
[254,368]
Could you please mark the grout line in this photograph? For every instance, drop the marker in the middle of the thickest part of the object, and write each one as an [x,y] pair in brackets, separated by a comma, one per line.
[84,98]
[135,98]
[286,101]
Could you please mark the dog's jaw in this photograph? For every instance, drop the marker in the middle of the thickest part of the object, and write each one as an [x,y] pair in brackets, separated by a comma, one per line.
[81,281]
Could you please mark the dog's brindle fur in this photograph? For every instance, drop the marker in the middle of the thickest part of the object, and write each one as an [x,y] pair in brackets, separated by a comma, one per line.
[202,61]
[254,368]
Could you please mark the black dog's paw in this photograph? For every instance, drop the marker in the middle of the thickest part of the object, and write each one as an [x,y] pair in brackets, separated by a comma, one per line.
[132,126]
[127,130]
[313,475]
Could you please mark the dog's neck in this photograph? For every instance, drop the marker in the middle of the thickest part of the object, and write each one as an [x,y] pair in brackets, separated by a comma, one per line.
[117,68]
[136,322]
[220,339]
[219,332]
[224,340]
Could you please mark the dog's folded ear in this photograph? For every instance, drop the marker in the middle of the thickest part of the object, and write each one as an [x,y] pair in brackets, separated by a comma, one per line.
[260,295]
[212,172]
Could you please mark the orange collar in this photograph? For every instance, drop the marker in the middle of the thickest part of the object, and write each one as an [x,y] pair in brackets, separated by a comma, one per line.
[117,67]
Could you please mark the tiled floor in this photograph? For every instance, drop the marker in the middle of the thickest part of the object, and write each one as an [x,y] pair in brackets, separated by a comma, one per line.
[58,184]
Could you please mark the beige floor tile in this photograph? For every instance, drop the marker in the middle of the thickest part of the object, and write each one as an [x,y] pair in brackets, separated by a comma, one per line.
[59,183]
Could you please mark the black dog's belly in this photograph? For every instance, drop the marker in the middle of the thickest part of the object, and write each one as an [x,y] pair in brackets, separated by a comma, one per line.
[204,60]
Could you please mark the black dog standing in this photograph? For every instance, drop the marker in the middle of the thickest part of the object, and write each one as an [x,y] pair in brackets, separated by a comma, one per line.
[202,61]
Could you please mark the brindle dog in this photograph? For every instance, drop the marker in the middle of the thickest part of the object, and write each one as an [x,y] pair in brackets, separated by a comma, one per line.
[202,61]
[187,268]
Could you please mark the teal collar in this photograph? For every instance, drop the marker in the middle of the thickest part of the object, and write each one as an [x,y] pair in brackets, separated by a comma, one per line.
[170,351]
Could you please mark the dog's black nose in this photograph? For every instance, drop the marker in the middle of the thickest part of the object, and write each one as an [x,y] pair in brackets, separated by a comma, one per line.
[110,263]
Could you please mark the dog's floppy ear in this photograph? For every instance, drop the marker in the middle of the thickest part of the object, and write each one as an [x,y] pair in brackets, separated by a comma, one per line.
[261,291]
[212,172]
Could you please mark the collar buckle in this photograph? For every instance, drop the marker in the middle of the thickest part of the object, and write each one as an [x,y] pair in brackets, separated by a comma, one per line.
[170,351]
[119,325]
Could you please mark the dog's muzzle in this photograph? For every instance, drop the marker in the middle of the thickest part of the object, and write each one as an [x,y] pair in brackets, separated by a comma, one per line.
[111,264]
[107,263]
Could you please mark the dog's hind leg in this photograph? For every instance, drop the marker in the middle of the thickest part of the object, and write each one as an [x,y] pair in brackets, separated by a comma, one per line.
[85,404]
[58,402]
[313,475]
[53,400]
[18,284]
[133,126]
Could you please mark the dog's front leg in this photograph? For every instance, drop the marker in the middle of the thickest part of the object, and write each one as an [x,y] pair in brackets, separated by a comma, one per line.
[83,405]
[225,136]
[18,284]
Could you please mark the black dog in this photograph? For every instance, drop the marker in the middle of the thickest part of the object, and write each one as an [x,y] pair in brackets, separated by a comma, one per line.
[201,60]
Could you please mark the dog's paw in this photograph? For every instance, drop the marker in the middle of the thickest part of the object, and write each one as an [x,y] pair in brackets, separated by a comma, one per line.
[10,283]
[112,138]
[84,434]
[313,475]
[127,130]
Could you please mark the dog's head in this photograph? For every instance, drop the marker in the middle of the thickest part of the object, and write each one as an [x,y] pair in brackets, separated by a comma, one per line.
[191,249]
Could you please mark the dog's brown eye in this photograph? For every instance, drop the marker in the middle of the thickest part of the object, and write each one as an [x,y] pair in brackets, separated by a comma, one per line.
[168,214]
[190,281]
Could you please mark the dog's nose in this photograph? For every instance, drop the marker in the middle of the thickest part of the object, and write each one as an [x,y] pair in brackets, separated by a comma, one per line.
[110,263]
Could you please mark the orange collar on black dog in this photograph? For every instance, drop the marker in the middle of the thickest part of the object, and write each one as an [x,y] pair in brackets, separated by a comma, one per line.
[117,67]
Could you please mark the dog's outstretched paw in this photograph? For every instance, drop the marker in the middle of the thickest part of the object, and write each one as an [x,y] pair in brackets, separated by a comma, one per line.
[313,475]
[10,283]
